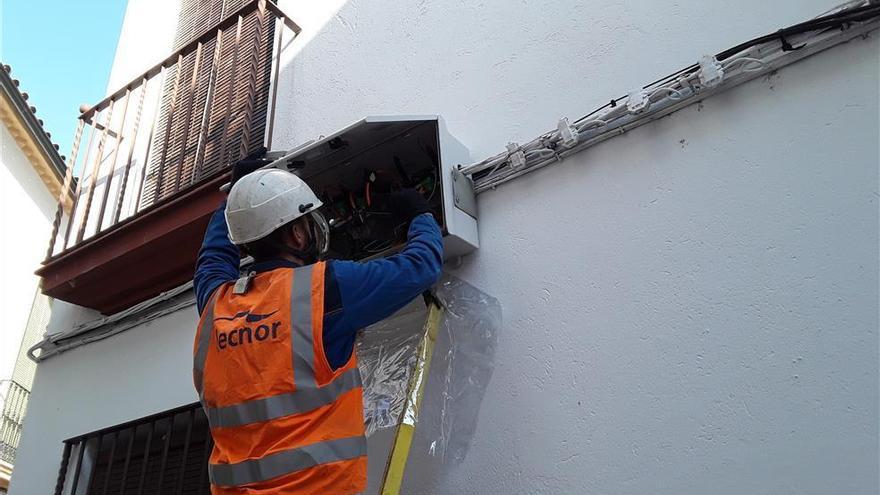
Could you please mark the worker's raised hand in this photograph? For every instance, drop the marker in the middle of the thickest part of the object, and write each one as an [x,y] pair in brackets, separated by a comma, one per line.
[251,163]
[407,204]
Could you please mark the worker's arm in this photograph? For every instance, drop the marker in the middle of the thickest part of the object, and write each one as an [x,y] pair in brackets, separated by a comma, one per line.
[218,259]
[373,290]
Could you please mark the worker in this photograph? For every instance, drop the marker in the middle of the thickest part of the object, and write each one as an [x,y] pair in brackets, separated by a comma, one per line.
[274,361]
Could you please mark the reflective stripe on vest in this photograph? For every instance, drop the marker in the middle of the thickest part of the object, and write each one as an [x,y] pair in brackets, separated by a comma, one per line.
[205,330]
[282,405]
[301,331]
[281,463]
[307,396]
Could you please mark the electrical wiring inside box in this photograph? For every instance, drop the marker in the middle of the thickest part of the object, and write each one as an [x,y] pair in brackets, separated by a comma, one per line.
[354,174]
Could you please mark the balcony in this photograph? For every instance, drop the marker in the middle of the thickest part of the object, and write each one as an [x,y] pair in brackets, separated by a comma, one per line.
[154,154]
[13,405]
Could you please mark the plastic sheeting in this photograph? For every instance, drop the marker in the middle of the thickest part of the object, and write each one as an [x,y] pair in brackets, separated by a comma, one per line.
[387,354]
[460,370]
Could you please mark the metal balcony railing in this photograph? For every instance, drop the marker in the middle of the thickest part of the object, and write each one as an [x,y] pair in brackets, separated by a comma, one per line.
[177,125]
[13,398]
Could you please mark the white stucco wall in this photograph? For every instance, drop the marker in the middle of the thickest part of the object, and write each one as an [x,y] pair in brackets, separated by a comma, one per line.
[699,311]
[26,213]
[498,72]
[689,308]
[147,37]
[143,371]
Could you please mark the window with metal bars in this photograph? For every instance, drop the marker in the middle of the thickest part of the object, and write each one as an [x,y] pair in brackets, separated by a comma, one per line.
[165,453]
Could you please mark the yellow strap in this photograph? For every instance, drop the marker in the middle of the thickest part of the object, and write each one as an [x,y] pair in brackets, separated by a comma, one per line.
[415,391]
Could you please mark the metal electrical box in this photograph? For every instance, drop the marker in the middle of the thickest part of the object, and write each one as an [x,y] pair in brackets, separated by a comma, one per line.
[355,170]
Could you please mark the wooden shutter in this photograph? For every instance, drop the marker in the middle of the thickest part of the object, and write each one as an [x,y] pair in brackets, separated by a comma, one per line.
[215,100]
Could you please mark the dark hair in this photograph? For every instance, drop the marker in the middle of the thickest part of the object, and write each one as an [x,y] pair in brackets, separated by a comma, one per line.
[271,246]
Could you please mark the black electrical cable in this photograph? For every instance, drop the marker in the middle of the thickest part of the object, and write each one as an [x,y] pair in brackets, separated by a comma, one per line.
[672,77]
[610,104]
[837,19]
[829,21]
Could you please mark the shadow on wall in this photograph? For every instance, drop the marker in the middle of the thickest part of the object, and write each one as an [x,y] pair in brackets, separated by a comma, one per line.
[311,17]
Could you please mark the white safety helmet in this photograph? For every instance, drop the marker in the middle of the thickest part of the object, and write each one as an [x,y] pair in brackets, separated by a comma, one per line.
[264,200]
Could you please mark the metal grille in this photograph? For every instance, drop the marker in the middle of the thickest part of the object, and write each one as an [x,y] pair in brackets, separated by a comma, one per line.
[179,124]
[14,403]
[166,453]
[25,368]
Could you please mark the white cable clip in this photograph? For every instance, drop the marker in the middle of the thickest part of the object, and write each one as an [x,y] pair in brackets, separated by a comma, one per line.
[515,156]
[567,133]
[684,82]
[711,72]
[637,101]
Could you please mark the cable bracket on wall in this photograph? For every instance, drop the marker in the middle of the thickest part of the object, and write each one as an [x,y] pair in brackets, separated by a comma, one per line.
[638,101]
[567,134]
[710,75]
[515,156]
[711,72]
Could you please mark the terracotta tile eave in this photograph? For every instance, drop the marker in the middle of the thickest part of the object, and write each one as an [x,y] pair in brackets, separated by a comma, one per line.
[18,116]
[28,143]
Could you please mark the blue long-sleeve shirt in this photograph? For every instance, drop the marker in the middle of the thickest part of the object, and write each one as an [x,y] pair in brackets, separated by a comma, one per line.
[357,294]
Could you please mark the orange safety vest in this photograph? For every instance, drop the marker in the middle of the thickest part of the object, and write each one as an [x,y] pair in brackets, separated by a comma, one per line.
[283,421]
